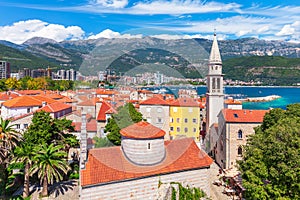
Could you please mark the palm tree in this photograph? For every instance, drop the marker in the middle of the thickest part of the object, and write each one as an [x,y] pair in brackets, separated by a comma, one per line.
[24,153]
[8,139]
[49,162]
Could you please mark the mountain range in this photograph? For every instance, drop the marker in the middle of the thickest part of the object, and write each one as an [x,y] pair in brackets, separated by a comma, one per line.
[181,58]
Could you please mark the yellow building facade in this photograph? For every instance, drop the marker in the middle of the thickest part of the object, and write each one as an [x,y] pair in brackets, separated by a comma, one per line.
[185,118]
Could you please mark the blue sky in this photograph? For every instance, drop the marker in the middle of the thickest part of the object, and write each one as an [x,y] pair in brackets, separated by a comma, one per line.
[90,19]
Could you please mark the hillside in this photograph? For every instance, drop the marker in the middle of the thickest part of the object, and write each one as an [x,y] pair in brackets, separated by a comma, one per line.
[271,70]
[178,58]
[21,59]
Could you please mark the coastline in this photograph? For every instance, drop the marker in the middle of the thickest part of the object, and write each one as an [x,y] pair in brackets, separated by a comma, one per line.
[262,99]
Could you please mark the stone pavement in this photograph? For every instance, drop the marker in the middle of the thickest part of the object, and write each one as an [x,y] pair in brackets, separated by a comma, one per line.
[216,191]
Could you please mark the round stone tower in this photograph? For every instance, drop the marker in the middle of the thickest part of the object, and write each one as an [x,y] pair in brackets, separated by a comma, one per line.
[143,143]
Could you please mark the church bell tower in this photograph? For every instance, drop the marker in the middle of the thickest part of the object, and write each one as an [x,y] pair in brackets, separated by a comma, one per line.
[214,83]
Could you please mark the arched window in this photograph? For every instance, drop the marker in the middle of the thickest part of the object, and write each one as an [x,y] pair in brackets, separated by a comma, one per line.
[240,134]
[240,151]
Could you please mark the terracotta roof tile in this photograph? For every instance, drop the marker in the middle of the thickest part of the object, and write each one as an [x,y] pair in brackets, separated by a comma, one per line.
[142,130]
[233,102]
[105,109]
[254,116]
[23,101]
[106,165]
[154,101]
[55,107]
[89,102]
[91,126]
[4,96]
[185,102]
[105,92]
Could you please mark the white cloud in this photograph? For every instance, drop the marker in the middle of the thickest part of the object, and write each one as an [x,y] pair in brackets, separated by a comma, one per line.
[107,33]
[110,3]
[286,30]
[21,31]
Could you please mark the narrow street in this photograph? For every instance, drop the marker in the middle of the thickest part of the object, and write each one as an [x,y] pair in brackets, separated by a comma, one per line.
[216,191]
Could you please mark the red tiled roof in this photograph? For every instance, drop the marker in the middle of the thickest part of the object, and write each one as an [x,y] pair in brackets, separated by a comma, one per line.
[91,126]
[7,95]
[142,130]
[89,102]
[105,92]
[154,101]
[233,102]
[104,109]
[145,91]
[43,98]
[22,101]
[250,116]
[185,102]
[55,107]
[106,165]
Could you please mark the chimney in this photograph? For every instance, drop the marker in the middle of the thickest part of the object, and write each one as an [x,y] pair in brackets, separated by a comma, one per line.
[83,141]
[44,103]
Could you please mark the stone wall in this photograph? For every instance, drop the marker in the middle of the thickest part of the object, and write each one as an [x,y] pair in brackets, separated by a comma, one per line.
[146,188]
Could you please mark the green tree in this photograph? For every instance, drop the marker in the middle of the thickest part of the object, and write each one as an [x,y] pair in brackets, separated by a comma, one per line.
[271,162]
[13,83]
[9,139]
[50,163]
[126,116]
[102,142]
[24,154]
[3,85]
[46,130]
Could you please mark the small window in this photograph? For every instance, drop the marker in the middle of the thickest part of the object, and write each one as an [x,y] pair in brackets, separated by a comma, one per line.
[171,120]
[159,120]
[194,129]
[194,120]
[178,129]
[190,110]
[171,128]
[17,126]
[235,115]
[149,146]
[185,120]
[174,109]
[178,120]
[159,110]
[28,110]
[185,129]
[240,134]
[240,151]
[25,125]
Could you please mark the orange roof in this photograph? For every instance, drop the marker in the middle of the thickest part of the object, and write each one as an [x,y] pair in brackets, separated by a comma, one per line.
[22,101]
[154,101]
[185,102]
[43,98]
[4,96]
[105,92]
[105,107]
[106,165]
[145,91]
[142,130]
[89,102]
[232,101]
[55,107]
[250,116]
[30,92]
[91,126]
